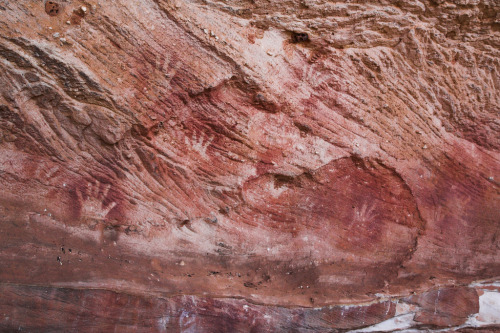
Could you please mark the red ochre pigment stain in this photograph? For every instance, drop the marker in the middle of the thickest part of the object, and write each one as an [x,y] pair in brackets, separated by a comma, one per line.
[355,205]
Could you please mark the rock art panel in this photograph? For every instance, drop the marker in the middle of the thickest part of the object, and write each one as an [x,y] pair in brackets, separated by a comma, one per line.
[253,166]
[355,204]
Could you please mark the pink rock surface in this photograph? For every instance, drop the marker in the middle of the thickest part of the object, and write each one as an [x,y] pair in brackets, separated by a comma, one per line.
[307,159]
[446,306]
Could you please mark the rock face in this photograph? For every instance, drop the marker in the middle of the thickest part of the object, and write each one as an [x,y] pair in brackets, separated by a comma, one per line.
[249,166]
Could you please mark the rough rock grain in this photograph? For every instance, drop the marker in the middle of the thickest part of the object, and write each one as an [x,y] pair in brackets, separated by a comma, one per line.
[249,165]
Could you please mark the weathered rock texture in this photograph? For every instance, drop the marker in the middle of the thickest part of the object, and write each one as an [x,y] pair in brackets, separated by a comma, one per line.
[249,166]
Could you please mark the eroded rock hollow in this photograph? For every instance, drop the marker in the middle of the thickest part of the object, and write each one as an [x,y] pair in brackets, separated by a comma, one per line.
[249,165]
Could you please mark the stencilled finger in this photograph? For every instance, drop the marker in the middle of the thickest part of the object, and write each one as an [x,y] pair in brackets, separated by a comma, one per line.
[105,190]
[89,191]
[111,206]
[79,195]
[97,187]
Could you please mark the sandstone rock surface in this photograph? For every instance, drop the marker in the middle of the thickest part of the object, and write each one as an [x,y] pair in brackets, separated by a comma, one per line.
[249,166]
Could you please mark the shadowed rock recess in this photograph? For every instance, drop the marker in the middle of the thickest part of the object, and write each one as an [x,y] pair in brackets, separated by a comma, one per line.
[250,165]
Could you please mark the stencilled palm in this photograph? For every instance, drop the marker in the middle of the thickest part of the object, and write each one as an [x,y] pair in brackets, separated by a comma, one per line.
[199,143]
[438,214]
[46,173]
[314,77]
[92,201]
[167,67]
[365,215]
[364,229]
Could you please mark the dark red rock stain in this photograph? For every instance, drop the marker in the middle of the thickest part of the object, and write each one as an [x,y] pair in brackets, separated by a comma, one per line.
[300,37]
[355,202]
[446,306]
[114,195]
[26,137]
[463,206]
[97,310]
[77,16]
[52,8]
